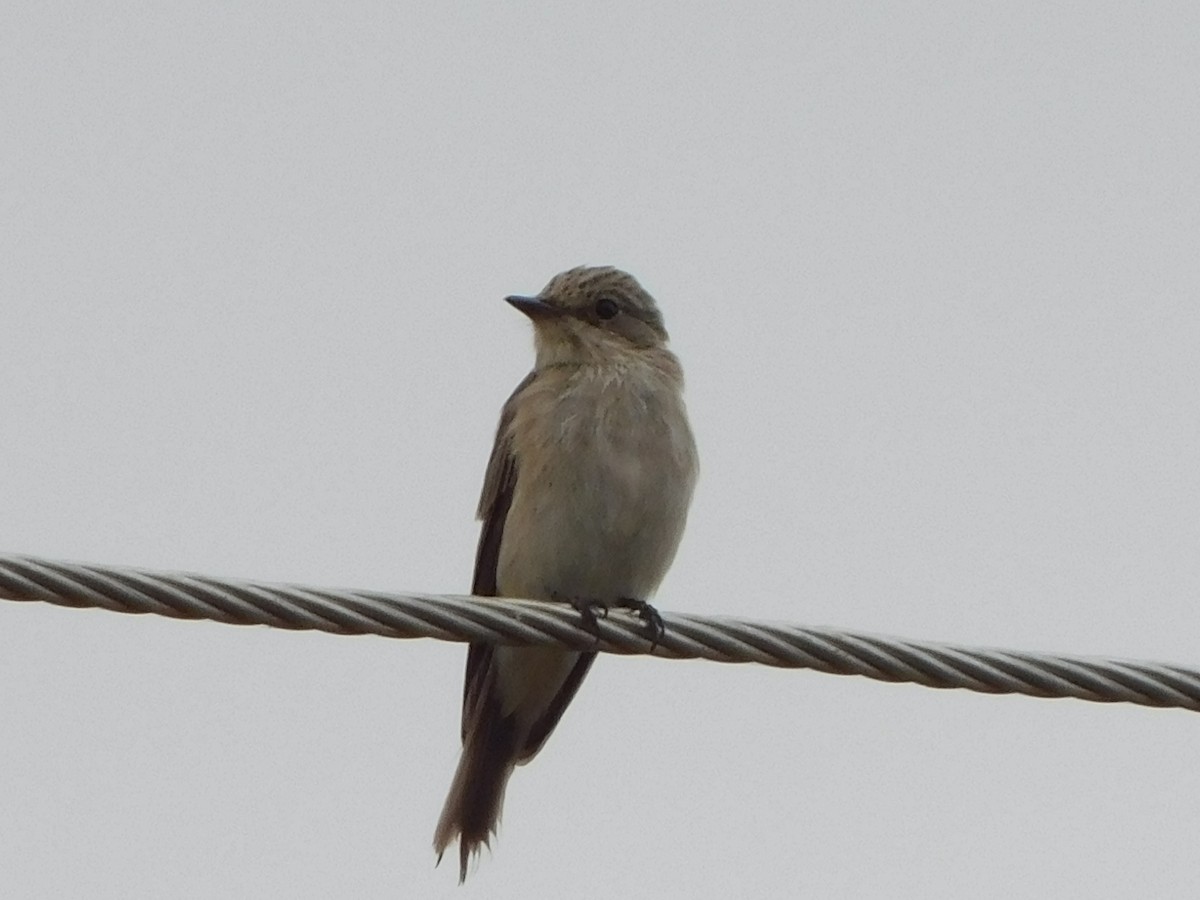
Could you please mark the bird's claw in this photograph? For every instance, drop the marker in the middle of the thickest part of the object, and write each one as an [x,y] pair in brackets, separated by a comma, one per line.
[590,611]
[649,615]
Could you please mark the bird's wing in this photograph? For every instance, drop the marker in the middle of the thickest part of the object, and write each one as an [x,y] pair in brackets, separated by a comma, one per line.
[499,484]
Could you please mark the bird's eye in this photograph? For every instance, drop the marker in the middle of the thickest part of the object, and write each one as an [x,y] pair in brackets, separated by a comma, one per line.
[606,308]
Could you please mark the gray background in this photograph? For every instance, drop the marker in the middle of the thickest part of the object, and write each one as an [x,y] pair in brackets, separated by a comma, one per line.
[932,270]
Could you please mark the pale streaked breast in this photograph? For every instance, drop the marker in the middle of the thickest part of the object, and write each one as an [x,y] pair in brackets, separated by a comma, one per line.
[606,467]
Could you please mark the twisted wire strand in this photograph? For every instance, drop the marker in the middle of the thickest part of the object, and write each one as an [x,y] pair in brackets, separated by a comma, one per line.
[529,622]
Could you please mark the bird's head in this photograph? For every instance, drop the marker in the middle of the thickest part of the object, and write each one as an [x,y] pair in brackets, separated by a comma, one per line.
[590,315]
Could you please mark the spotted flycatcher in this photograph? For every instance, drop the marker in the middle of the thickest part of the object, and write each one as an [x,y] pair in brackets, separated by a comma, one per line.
[584,501]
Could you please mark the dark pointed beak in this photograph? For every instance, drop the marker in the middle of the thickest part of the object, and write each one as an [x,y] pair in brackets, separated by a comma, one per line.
[534,307]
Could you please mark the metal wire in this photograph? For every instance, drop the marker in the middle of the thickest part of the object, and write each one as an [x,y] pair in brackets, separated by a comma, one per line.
[528,622]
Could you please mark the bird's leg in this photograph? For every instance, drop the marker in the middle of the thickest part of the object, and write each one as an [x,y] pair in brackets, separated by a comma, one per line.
[590,611]
[648,614]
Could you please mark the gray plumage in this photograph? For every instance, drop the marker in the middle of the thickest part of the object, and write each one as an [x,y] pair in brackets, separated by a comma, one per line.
[585,499]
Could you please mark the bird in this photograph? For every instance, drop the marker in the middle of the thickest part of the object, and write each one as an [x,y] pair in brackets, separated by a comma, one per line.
[584,501]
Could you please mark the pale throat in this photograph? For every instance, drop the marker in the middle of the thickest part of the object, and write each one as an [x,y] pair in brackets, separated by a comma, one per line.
[559,344]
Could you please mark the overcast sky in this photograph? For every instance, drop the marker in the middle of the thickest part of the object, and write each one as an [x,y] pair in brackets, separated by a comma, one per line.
[933,271]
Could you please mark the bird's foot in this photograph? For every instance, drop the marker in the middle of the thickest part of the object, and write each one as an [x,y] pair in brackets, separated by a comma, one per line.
[648,614]
[590,612]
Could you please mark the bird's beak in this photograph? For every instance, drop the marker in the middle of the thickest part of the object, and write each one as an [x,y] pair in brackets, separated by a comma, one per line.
[534,307]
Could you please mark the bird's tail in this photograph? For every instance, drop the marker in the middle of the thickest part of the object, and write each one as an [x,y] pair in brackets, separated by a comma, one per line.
[473,806]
